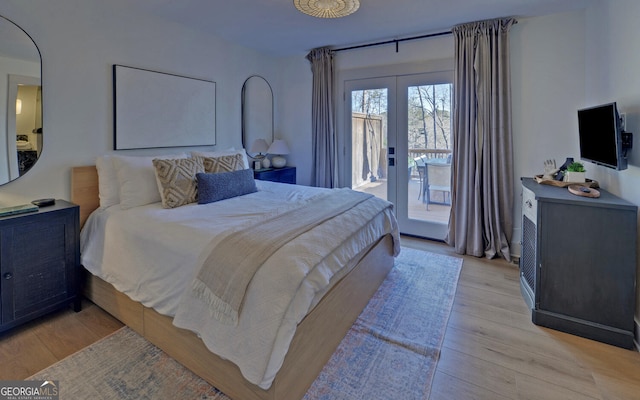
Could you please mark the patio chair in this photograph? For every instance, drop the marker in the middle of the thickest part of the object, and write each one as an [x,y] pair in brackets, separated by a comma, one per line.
[421,166]
[438,178]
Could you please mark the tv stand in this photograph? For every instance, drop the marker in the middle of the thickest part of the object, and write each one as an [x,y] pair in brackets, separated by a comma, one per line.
[578,262]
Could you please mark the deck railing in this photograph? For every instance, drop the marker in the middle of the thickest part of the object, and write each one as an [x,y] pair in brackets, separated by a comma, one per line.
[429,153]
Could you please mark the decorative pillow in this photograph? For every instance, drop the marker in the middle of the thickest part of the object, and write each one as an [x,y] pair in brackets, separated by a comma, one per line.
[229,152]
[137,179]
[223,163]
[225,185]
[177,180]
[108,187]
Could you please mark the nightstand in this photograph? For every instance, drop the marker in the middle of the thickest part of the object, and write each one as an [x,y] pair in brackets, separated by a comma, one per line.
[283,175]
[39,263]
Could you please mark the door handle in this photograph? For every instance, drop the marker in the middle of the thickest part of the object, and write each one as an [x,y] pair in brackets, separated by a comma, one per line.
[8,275]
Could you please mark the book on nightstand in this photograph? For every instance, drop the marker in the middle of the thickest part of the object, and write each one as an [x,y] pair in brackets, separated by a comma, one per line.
[22,208]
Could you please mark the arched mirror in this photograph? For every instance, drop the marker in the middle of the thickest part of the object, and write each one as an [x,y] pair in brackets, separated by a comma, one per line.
[20,102]
[257,114]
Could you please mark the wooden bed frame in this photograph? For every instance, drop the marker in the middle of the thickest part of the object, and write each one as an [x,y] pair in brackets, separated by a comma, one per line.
[316,338]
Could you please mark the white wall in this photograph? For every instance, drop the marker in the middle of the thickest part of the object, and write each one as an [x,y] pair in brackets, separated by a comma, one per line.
[293,114]
[612,65]
[79,41]
[547,78]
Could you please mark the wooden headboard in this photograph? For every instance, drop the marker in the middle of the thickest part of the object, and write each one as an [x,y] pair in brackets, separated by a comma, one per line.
[84,190]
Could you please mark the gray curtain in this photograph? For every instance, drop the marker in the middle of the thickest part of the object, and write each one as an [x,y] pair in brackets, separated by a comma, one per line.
[481,221]
[323,133]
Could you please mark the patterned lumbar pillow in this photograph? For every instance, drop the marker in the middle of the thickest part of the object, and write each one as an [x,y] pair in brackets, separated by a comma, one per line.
[226,163]
[177,180]
[225,185]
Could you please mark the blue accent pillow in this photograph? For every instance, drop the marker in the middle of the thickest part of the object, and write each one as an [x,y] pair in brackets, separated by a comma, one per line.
[224,185]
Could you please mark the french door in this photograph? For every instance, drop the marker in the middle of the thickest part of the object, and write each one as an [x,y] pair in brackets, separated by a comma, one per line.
[398,134]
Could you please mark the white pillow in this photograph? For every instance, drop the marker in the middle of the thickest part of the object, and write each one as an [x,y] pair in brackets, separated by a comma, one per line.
[219,153]
[108,186]
[137,179]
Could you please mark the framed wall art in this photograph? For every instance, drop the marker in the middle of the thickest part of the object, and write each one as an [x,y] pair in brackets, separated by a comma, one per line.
[155,109]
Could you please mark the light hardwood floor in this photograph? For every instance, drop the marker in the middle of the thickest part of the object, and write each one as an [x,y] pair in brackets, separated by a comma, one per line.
[34,346]
[491,349]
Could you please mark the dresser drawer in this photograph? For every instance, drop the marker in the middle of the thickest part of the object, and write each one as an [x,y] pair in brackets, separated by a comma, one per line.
[282,175]
[529,204]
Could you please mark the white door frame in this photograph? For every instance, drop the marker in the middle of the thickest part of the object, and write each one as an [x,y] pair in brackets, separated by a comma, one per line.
[388,83]
[429,229]
[407,75]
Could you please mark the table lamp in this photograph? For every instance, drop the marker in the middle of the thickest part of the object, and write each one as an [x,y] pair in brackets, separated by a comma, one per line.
[278,148]
[258,147]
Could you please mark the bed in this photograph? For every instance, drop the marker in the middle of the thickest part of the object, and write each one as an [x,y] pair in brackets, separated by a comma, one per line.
[313,341]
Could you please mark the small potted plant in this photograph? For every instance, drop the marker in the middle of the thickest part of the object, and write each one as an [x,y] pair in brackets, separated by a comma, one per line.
[575,173]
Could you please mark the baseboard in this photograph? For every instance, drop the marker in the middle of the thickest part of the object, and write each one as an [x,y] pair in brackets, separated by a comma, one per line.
[516,249]
[584,328]
[515,245]
[636,334]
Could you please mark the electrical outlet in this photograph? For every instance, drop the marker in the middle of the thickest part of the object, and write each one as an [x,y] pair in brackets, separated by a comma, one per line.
[623,122]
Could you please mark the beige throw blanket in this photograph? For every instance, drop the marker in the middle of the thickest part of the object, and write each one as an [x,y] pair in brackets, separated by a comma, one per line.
[229,268]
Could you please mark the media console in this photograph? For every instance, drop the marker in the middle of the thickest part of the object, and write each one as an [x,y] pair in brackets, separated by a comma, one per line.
[578,262]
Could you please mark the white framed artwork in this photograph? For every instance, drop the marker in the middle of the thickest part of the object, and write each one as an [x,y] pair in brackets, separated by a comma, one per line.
[155,109]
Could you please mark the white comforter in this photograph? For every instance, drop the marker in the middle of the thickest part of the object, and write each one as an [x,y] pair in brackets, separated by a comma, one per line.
[152,255]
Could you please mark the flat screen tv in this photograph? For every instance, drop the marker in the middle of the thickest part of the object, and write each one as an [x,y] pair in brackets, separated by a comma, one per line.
[601,137]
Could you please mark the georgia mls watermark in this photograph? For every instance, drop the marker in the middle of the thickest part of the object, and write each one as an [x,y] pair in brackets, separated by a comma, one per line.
[29,390]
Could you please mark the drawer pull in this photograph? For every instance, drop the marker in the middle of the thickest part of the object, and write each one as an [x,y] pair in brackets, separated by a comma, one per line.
[8,275]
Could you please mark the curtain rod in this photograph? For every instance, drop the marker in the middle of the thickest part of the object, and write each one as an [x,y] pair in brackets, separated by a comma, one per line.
[396,41]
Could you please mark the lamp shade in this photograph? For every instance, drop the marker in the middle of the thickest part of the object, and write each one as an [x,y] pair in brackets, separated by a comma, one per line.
[258,146]
[278,147]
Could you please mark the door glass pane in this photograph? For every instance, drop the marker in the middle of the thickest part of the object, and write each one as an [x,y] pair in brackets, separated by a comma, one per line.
[369,141]
[429,144]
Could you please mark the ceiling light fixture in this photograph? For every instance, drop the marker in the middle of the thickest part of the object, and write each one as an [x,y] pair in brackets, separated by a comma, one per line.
[327,8]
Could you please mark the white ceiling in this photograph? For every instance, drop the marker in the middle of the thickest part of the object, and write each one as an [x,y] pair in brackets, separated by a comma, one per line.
[276,27]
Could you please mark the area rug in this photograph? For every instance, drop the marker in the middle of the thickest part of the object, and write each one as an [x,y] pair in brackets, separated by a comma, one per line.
[391,351]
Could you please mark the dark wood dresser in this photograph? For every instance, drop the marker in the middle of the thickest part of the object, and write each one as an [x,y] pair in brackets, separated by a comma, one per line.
[578,263]
[39,263]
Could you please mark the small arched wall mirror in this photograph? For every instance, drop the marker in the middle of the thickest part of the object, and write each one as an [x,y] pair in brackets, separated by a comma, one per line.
[21,100]
[257,113]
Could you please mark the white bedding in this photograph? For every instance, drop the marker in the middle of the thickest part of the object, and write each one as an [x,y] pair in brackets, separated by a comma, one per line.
[152,254]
